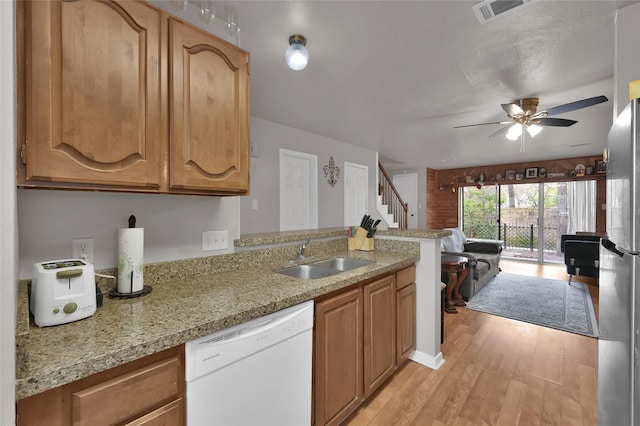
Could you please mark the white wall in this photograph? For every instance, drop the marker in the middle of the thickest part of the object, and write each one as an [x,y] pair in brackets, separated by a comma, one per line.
[8,228]
[422,191]
[173,224]
[269,137]
[627,57]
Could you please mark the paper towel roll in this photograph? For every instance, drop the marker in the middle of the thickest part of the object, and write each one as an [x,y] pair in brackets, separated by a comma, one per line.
[130,259]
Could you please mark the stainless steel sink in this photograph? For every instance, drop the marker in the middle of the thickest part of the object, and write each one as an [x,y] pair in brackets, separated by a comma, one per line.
[343,263]
[307,272]
[323,268]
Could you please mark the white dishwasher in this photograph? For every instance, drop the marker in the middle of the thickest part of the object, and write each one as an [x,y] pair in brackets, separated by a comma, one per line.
[253,374]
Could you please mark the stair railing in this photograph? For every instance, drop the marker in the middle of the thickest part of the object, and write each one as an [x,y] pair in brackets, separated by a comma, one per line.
[391,198]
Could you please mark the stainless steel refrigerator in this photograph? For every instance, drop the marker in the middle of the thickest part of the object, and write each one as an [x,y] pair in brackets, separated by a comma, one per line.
[619,322]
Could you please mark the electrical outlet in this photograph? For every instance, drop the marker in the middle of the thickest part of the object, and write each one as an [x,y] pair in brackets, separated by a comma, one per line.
[215,240]
[83,249]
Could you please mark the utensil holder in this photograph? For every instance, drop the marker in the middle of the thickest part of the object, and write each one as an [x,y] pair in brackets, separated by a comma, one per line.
[360,241]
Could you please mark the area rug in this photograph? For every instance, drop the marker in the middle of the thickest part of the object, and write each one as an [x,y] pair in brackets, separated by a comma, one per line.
[540,301]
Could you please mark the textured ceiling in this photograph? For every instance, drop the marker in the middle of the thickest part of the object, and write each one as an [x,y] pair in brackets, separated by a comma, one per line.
[397,76]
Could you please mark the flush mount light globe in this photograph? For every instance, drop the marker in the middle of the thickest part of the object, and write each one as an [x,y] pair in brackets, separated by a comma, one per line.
[297,55]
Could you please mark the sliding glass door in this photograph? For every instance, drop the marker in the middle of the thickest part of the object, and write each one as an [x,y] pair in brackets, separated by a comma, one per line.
[529,218]
[480,212]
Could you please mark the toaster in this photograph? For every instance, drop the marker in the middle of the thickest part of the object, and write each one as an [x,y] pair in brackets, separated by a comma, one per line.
[62,291]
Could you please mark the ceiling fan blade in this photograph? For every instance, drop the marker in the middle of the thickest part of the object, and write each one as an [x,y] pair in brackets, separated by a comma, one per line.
[556,122]
[482,124]
[513,110]
[501,131]
[561,109]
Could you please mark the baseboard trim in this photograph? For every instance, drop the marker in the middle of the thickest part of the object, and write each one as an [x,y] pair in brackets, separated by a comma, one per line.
[433,362]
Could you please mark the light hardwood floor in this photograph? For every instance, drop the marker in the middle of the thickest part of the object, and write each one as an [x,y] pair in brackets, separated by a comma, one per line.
[497,371]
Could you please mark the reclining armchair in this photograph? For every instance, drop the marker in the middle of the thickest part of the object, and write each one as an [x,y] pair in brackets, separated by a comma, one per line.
[581,255]
[483,259]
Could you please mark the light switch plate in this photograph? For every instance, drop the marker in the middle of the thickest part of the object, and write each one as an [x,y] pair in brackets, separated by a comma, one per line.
[255,149]
[215,240]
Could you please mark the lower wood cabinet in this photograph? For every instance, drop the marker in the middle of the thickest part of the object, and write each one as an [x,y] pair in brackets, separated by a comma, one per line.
[147,391]
[167,415]
[405,313]
[359,337]
[379,332]
[338,357]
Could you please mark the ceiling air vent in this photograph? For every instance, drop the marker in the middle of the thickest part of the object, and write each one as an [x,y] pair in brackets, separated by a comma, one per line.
[489,10]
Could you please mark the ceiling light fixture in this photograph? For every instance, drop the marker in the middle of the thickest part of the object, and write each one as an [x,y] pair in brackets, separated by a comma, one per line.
[297,55]
[514,132]
[533,129]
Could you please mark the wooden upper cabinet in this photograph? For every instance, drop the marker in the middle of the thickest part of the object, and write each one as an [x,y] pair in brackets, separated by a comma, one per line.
[93,93]
[121,96]
[209,102]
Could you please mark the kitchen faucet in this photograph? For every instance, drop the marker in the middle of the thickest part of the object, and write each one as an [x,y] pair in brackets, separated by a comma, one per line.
[302,249]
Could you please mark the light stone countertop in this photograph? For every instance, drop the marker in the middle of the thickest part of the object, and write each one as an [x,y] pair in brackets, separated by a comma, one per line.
[287,236]
[180,308]
[292,236]
[415,233]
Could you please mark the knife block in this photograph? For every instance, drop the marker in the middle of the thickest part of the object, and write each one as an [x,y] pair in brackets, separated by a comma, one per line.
[360,241]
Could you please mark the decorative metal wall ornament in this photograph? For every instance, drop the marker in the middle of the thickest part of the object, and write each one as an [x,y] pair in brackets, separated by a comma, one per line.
[332,171]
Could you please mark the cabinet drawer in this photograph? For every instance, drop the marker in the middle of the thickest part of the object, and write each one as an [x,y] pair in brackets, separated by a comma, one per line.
[405,277]
[170,414]
[128,395]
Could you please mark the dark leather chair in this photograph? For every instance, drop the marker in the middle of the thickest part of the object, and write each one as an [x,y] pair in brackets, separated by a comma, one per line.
[581,255]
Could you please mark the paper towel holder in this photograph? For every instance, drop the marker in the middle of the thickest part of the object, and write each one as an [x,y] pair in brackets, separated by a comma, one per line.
[115,294]
[146,289]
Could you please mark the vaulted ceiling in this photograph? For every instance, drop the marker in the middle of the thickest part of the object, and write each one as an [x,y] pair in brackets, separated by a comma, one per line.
[397,76]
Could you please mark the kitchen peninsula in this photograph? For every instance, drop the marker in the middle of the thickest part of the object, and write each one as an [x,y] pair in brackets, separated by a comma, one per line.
[194,297]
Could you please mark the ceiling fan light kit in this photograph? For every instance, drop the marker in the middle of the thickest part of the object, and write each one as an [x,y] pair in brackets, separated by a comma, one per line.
[534,129]
[524,115]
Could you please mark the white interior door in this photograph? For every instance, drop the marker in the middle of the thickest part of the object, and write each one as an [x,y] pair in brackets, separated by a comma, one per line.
[356,193]
[407,186]
[298,190]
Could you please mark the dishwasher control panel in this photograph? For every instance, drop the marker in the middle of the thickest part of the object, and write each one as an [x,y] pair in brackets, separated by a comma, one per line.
[217,350]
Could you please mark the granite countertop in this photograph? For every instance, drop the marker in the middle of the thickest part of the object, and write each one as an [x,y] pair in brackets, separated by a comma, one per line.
[415,233]
[178,309]
[289,236]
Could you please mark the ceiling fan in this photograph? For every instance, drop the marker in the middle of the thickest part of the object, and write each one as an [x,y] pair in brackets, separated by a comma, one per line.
[524,115]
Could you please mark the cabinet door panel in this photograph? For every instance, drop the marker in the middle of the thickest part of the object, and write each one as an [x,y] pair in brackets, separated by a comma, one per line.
[338,370]
[379,332]
[406,322]
[210,112]
[93,93]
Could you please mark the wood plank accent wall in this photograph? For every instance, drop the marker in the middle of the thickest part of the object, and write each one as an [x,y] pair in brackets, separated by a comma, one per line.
[442,202]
